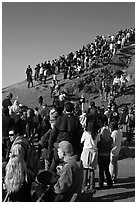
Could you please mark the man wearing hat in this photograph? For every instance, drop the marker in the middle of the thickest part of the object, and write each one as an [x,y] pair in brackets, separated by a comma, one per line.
[68,128]
[70,175]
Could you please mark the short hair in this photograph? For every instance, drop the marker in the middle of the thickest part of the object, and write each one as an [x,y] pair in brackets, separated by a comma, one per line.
[69,106]
[66,147]
[114,125]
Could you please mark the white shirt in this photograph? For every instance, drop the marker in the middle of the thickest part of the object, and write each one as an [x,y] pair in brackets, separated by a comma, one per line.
[117,139]
[41,70]
[88,140]
[45,72]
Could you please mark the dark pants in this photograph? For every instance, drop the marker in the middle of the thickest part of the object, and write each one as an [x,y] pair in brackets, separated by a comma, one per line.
[5,148]
[29,84]
[22,195]
[104,162]
[45,77]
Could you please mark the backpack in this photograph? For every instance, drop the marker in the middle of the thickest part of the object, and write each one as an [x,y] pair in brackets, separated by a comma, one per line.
[31,156]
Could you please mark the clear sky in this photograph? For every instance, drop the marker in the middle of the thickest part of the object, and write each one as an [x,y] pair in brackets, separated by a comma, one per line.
[33,32]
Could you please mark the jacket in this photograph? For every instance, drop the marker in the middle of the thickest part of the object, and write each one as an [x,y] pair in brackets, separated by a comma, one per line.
[67,127]
[70,180]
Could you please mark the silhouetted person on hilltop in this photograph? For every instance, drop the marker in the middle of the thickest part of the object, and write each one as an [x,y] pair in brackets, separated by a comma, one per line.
[28,71]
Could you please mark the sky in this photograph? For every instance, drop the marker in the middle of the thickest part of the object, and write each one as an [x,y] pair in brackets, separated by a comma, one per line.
[35,32]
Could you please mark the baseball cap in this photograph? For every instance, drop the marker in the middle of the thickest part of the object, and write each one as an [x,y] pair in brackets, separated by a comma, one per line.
[66,147]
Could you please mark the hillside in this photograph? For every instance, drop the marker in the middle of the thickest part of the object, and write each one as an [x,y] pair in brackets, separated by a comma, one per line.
[124,189]
[124,60]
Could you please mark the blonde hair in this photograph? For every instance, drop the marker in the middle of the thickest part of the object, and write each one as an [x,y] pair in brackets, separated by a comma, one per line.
[16,172]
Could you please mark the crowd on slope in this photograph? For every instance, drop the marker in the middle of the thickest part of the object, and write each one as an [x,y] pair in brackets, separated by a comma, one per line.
[88,57]
[71,143]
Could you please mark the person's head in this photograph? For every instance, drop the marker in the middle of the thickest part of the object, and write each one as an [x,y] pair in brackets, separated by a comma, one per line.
[92,104]
[24,115]
[69,107]
[10,95]
[114,126]
[112,98]
[12,135]
[64,149]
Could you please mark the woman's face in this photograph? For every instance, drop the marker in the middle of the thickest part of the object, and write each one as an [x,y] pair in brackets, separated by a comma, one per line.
[11,137]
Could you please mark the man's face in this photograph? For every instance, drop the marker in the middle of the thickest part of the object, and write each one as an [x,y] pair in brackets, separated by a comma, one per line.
[11,137]
[60,153]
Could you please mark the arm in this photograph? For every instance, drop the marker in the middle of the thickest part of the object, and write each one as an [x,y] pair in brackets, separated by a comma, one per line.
[52,139]
[65,180]
[83,137]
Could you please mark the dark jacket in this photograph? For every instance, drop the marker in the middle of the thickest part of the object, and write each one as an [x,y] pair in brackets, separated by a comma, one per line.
[6,102]
[7,123]
[105,144]
[67,128]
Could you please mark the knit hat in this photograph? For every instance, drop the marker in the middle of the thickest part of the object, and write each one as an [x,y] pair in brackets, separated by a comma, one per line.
[66,147]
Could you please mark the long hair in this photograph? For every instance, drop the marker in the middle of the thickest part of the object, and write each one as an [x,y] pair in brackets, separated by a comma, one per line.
[16,172]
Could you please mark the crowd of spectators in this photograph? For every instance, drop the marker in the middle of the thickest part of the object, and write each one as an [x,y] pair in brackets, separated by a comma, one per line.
[88,57]
[95,135]
[71,142]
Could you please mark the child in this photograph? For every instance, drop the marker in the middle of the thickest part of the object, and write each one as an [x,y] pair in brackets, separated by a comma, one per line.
[89,156]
